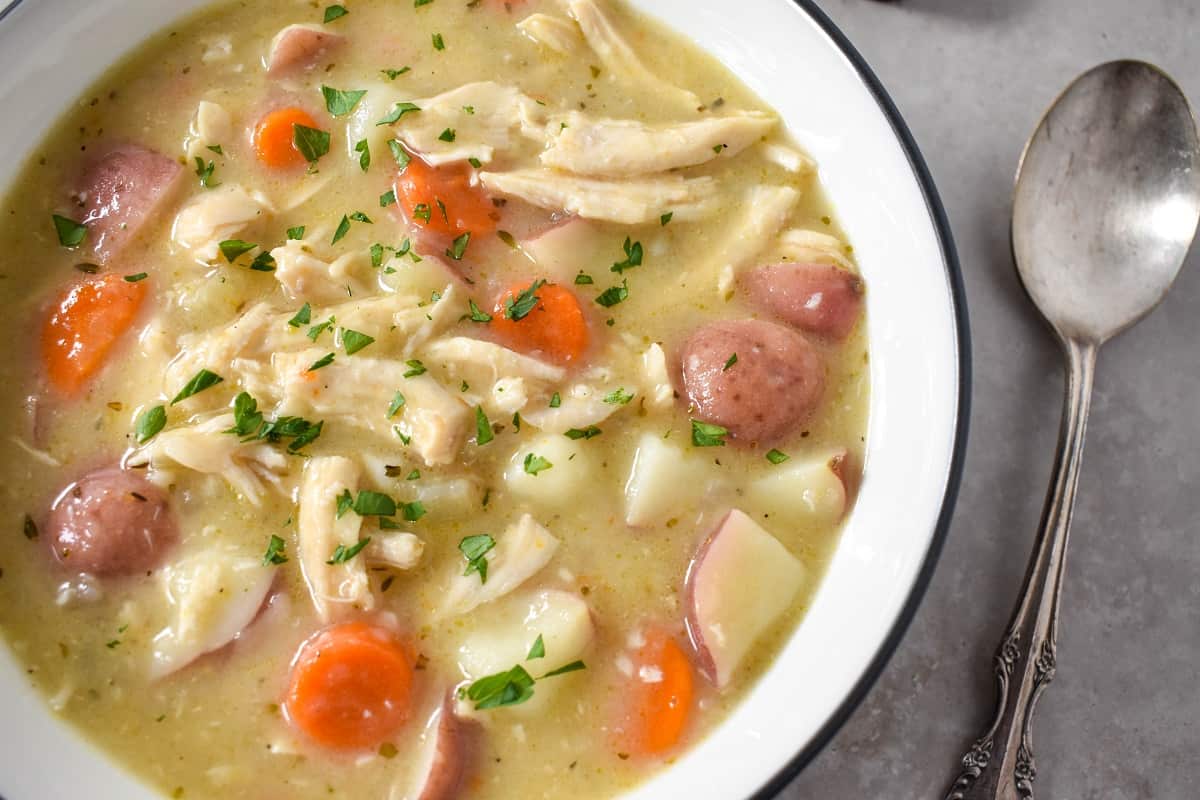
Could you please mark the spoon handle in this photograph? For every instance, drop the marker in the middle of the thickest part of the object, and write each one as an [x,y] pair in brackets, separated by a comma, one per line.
[1027,651]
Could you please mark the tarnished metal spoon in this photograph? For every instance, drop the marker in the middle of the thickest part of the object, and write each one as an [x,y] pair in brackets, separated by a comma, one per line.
[1106,206]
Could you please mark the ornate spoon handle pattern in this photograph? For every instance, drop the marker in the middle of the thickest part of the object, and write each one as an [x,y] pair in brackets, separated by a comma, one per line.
[1000,764]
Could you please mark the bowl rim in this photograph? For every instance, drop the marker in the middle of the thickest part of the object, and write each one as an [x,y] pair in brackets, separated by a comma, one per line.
[954,277]
[953,268]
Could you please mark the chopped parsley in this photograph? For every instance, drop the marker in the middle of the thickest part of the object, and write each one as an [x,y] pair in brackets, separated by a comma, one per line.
[263,262]
[205,173]
[200,381]
[335,12]
[419,3]
[296,232]
[538,650]
[413,511]
[777,456]
[583,279]
[448,135]
[535,464]
[248,423]
[374,504]
[403,159]
[311,142]
[29,528]
[423,212]
[392,74]
[138,276]
[323,361]
[474,548]
[507,238]
[397,403]
[415,368]
[315,331]
[342,554]
[478,314]
[505,689]
[149,423]
[353,341]
[387,198]
[474,162]
[705,434]
[415,475]
[274,554]
[397,112]
[459,247]
[613,295]
[233,249]
[363,148]
[483,428]
[732,360]
[633,257]
[519,307]
[618,397]
[216,148]
[556,400]
[303,316]
[438,42]
[574,666]
[340,103]
[70,233]
[590,432]
[666,218]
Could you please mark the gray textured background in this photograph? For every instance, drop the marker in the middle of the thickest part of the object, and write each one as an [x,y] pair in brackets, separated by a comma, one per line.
[1122,719]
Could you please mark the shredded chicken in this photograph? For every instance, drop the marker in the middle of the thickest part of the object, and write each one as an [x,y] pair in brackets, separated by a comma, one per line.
[304,276]
[581,405]
[765,210]
[802,245]
[622,148]
[211,126]
[628,202]
[485,118]
[788,158]
[659,393]
[520,553]
[335,588]
[215,216]
[394,550]
[555,33]
[616,54]
[419,324]
[249,336]
[251,468]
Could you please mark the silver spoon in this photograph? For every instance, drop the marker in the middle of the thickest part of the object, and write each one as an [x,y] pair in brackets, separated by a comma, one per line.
[1106,206]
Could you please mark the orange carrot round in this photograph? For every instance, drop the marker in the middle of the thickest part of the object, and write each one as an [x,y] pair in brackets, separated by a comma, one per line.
[555,328]
[443,201]
[661,697]
[350,686]
[274,137]
[83,327]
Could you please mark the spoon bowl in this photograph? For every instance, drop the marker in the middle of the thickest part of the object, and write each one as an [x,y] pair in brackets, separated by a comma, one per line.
[1107,200]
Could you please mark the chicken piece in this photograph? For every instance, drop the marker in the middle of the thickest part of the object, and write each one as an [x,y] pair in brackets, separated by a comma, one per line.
[299,47]
[500,380]
[788,158]
[581,406]
[335,588]
[304,276]
[251,335]
[215,216]
[813,247]
[419,324]
[554,33]
[616,54]
[765,211]
[618,148]
[520,553]
[497,113]
[211,598]
[211,127]
[251,468]
[659,393]
[401,551]
[358,389]
[628,202]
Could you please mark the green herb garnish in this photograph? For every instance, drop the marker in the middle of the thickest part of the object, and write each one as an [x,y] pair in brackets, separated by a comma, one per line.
[149,423]
[201,381]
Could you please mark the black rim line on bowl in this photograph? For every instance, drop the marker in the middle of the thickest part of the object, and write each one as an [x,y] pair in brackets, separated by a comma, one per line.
[937,213]
[954,277]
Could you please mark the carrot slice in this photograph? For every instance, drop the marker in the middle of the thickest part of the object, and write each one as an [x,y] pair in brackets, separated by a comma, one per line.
[85,324]
[660,698]
[554,328]
[274,137]
[350,686]
[442,200]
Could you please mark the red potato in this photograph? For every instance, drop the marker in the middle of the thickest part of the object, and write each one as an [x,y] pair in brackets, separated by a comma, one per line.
[820,299]
[110,522]
[120,192]
[771,388]
[299,47]
[449,746]
[741,580]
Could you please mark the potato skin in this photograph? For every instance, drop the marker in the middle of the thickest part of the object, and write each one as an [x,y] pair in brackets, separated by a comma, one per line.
[820,299]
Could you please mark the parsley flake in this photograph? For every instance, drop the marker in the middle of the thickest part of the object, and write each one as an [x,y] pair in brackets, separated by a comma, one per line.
[342,554]
[474,548]
[705,434]
[483,428]
[340,103]
[200,381]
[70,233]
[274,554]
[535,464]
[149,423]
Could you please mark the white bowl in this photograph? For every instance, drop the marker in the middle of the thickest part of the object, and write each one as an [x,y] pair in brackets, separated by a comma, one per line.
[792,55]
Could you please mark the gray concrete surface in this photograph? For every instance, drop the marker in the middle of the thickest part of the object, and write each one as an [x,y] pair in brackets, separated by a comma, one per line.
[1122,719]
